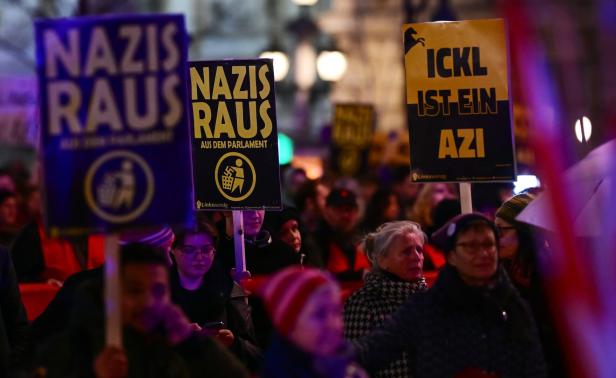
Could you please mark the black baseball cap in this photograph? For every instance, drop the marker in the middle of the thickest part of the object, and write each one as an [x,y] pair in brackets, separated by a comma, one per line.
[341,197]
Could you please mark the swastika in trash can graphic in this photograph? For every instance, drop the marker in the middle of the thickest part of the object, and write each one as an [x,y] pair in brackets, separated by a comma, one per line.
[119,186]
[235,176]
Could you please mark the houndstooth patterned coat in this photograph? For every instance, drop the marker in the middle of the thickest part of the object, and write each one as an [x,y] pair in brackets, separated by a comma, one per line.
[370,306]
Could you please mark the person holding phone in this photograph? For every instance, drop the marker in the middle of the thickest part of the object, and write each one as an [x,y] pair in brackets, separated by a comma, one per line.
[215,305]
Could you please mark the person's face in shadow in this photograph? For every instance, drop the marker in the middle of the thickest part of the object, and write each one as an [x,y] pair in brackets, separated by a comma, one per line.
[145,295]
[253,221]
[290,235]
[195,256]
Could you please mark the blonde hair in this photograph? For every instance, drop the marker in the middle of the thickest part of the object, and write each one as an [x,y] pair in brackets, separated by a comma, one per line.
[421,212]
[377,243]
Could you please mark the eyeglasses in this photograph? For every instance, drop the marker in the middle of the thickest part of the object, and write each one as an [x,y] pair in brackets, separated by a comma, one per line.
[191,250]
[474,247]
[502,229]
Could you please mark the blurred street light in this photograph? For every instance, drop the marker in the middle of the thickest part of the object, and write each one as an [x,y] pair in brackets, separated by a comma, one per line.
[281,63]
[331,65]
[583,129]
[305,65]
[305,2]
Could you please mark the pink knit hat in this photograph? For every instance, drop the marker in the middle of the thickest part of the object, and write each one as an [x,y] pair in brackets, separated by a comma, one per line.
[285,294]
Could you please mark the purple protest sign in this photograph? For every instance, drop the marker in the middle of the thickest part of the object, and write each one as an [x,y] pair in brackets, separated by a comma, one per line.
[114,126]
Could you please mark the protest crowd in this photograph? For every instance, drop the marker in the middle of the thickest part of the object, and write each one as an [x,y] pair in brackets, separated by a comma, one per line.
[351,297]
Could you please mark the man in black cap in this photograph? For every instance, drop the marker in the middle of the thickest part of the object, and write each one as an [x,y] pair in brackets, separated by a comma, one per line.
[338,237]
[471,323]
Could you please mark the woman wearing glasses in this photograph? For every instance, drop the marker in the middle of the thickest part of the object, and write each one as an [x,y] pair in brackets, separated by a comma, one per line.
[215,304]
[517,244]
[471,323]
[520,247]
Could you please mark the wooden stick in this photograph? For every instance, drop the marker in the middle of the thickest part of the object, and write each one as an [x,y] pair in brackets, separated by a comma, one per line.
[238,239]
[466,199]
[113,314]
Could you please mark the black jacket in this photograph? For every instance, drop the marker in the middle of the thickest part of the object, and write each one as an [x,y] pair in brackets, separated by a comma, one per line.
[220,299]
[56,316]
[71,353]
[454,327]
[13,320]
[264,255]
[285,360]
[27,254]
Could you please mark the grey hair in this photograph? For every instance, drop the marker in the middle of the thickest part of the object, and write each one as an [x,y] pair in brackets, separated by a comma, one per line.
[376,243]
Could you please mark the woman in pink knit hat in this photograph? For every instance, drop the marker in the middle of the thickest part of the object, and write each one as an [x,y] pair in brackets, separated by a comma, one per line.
[305,308]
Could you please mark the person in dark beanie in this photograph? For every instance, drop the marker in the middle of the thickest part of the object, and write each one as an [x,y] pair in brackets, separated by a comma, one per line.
[472,322]
[286,226]
[305,310]
[520,247]
[264,254]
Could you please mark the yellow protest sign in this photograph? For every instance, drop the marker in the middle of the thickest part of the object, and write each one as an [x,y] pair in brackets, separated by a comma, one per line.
[234,137]
[352,133]
[458,103]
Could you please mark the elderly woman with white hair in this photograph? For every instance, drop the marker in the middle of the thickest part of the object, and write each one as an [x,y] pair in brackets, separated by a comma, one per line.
[396,252]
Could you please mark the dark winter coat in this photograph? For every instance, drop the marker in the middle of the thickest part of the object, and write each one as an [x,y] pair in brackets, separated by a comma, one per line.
[13,320]
[264,255]
[57,314]
[220,299]
[368,308]
[454,327]
[285,360]
[71,353]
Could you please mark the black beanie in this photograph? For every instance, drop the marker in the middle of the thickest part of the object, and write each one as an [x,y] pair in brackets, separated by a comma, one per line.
[275,219]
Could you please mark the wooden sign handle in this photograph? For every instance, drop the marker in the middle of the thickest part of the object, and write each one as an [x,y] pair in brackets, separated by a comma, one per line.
[238,240]
[466,199]
[113,314]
